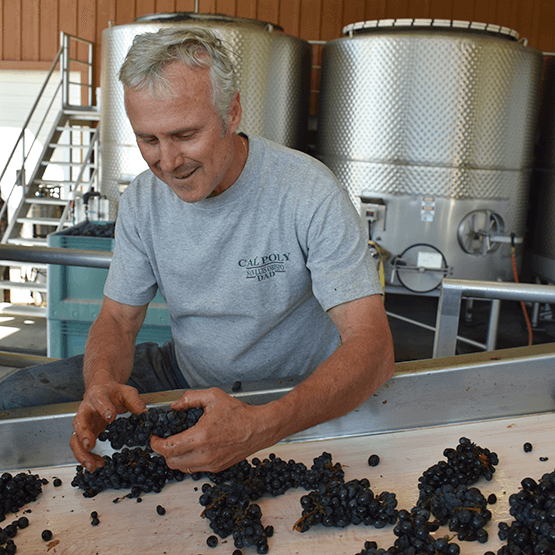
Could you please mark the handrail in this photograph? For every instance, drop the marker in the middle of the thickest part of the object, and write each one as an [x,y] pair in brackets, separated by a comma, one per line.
[54,255]
[452,292]
[27,121]
[62,57]
[86,158]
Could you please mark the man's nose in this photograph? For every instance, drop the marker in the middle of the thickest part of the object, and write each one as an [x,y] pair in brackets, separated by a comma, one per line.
[170,156]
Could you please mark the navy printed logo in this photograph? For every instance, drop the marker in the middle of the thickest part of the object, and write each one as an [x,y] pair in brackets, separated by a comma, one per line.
[265,267]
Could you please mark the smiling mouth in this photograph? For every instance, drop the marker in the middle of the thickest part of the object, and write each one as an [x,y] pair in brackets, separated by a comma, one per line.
[185,176]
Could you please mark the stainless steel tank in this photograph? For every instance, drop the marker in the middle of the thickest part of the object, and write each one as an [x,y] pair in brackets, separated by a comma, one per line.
[540,243]
[431,123]
[273,72]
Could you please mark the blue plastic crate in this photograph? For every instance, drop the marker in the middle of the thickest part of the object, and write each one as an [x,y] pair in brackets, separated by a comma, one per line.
[67,338]
[75,294]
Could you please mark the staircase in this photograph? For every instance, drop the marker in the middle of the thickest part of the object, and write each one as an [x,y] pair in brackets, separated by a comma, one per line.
[66,168]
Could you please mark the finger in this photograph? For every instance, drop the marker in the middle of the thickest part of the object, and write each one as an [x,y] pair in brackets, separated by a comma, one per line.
[191,399]
[132,401]
[176,445]
[89,460]
[87,425]
[102,403]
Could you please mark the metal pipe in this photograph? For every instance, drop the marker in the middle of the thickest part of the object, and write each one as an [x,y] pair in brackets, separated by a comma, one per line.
[449,305]
[52,255]
[493,325]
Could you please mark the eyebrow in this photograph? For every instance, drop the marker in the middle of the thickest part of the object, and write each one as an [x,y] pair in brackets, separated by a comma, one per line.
[176,132]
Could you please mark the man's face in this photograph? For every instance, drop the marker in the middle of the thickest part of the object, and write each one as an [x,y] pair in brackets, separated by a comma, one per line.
[180,135]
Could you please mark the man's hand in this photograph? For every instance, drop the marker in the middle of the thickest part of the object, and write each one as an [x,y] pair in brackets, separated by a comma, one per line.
[100,406]
[227,432]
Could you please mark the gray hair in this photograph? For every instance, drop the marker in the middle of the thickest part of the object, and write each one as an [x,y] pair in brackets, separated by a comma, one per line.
[196,47]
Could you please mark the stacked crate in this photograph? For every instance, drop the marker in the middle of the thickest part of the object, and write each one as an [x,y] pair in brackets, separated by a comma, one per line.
[75,295]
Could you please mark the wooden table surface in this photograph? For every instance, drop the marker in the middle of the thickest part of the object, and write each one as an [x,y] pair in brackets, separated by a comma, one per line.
[135,528]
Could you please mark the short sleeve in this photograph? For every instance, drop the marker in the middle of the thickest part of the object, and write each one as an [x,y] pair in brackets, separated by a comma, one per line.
[341,266]
[130,279]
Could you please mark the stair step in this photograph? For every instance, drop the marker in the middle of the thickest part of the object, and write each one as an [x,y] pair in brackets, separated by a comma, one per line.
[28,242]
[67,164]
[57,183]
[76,128]
[19,264]
[85,111]
[46,200]
[67,145]
[28,285]
[39,221]
[23,310]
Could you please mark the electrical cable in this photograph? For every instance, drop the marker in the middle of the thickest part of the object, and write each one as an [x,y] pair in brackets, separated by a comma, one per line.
[522,304]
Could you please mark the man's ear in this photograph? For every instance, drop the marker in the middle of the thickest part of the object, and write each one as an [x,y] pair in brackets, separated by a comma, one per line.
[235,113]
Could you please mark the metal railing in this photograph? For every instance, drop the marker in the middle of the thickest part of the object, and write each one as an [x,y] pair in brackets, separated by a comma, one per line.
[47,255]
[52,255]
[64,60]
[452,293]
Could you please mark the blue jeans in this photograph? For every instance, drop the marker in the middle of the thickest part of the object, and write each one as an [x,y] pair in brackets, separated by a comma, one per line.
[154,369]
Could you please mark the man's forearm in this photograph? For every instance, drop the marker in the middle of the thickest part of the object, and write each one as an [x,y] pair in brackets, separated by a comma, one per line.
[108,354]
[111,343]
[339,385]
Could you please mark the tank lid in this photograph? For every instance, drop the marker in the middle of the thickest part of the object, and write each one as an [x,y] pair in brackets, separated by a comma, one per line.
[176,17]
[453,24]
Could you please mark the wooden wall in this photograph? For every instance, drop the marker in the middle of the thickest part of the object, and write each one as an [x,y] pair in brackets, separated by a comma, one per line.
[31,28]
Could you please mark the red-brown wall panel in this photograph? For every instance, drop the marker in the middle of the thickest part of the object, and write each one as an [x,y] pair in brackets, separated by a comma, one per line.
[49,34]
[11,30]
[30,37]
[31,28]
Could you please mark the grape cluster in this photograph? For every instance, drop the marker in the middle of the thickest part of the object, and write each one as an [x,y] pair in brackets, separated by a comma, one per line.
[413,535]
[7,545]
[533,508]
[465,465]
[340,504]
[231,513]
[230,503]
[136,429]
[445,493]
[463,509]
[18,490]
[90,229]
[134,469]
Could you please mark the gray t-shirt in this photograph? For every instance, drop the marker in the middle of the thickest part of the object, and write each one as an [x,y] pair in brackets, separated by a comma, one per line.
[247,275]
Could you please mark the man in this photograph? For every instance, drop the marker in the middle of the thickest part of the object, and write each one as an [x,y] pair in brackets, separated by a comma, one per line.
[260,256]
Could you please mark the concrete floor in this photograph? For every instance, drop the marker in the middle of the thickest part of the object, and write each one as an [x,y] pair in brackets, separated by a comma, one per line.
[22,335]
[28,334]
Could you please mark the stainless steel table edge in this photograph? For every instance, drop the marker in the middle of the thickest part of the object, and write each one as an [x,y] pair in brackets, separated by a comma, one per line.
[422,393]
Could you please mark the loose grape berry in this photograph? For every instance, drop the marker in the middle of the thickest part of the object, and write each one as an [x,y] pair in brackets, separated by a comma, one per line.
[527,447]
[212,541]
[57,482]
[373,460]
[160,510]
[46,535]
